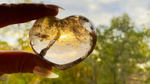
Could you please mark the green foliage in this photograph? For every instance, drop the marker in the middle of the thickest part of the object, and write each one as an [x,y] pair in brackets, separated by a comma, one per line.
[4,45]
[29,1]
[120,51]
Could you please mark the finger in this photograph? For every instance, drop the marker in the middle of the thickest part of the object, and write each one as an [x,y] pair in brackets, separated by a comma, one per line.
[18,61]
[44,72]
[24,62]
[1,75]
[19,13]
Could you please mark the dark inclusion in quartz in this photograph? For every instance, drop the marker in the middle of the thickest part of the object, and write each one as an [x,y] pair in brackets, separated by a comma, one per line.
[63,42]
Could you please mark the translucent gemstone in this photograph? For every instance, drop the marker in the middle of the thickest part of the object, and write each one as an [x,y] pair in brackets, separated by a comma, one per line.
[63,42]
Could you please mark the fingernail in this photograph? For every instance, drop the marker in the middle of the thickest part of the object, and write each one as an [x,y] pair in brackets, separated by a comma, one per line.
[51,6]
[41,71]
[61,8]
[52,75]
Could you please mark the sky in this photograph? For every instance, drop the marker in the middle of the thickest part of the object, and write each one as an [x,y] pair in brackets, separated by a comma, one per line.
[100,12]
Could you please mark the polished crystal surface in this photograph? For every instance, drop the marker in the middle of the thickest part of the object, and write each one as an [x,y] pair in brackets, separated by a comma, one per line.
[63,41]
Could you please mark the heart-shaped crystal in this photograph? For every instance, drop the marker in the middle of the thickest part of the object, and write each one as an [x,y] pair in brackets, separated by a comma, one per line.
[63,42]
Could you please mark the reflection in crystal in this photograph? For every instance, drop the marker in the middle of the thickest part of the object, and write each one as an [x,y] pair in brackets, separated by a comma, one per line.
[62,41]
[64,36]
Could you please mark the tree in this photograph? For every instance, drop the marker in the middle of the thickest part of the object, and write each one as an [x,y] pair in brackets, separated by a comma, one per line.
[120,47]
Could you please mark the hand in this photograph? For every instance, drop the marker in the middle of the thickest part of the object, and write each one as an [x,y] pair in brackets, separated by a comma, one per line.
[21,61]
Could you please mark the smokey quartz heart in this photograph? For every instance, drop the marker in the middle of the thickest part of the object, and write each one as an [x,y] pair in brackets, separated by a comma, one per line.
[63,42]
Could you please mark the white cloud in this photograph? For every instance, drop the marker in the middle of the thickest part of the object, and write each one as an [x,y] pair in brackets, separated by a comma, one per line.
[93,7]
[3,1]
[107,1]
[138,11]
[101,19]
[101,11]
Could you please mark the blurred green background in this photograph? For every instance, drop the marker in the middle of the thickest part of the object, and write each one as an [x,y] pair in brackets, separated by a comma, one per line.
[121,56]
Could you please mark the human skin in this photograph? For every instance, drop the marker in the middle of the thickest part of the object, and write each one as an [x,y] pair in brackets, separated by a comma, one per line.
[22,61]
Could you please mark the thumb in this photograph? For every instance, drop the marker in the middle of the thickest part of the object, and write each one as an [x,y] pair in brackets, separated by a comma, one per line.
[42,71]
[24,62]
